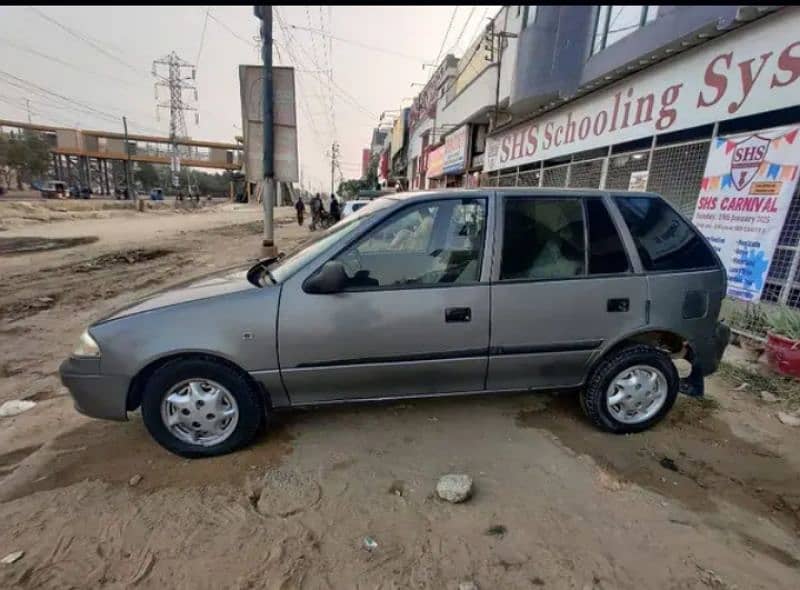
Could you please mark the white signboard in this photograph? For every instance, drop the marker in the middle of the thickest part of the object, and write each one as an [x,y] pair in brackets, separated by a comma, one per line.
[752,70]
[251,80]
[744,197]
[455,151]
[638,181]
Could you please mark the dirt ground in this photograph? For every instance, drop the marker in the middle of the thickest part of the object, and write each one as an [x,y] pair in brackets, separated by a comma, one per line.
[708,499]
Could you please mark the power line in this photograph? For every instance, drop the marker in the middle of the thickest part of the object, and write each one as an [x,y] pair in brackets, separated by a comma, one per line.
[61,61]
[230,30]
[86,108]
[447,34]
[359,44]
[202,36]
[344,93]
[85,39]
[464,28]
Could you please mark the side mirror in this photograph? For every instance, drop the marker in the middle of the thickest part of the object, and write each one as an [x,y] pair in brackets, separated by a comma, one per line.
[331,278]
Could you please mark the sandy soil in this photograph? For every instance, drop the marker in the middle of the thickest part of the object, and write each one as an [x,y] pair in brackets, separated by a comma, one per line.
[708,499]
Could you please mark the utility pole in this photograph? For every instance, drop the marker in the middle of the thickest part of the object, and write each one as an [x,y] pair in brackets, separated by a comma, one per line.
[264,12]
[28,104]
[176,82]
[334,158]
[128,184]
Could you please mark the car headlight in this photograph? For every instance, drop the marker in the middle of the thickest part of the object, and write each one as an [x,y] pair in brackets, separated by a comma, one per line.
[86,346]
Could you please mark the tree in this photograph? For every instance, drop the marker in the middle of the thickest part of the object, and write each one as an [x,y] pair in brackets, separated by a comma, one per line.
[147,175]
[28,156]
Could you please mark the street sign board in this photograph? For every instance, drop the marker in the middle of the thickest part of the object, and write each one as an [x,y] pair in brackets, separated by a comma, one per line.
[251,81]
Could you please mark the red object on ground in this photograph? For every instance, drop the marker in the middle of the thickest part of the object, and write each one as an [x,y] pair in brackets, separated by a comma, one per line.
[783,355]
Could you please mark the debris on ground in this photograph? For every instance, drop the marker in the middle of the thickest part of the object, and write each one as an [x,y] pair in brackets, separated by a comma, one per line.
[397,488]
[668,463]
[496,530]
[454,487]
[768,397]
[135,480]
[467,585]
[370,544]
[788,419]
[12,557]
[15,407]
[741,387]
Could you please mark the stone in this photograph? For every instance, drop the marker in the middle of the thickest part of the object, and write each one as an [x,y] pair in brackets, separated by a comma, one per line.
[467,585]
[14,407]
[135,480]
[454,487]
[12,557]
[768,397]
[789,419]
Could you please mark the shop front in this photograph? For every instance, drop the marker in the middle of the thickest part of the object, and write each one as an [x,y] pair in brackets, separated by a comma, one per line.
[672,129]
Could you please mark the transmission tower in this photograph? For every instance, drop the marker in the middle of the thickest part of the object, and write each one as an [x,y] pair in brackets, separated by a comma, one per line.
[176,81]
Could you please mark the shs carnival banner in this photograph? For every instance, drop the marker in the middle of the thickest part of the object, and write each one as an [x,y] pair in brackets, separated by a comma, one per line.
[745,195]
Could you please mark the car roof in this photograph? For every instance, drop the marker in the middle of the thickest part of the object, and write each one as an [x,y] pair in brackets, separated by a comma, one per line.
[517,191]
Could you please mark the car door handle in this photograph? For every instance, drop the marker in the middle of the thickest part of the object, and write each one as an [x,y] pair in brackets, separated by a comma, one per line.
[618,305]
[457,314]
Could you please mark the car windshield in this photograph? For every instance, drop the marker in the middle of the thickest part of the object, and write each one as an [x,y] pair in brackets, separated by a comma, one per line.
[286,267]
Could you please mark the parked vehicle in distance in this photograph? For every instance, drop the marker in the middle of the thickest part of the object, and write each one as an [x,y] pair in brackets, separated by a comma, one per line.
[352,206]
[439,293]
[54,189]
[76,192]
[157,194]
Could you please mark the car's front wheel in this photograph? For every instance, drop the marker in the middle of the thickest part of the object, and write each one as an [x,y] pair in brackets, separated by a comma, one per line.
[197,407]
[631,390]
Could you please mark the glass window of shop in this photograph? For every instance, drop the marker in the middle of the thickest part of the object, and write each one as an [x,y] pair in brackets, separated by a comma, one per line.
[617,22]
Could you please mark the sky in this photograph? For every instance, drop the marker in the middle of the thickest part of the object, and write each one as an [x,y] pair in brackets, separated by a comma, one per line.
[92,64]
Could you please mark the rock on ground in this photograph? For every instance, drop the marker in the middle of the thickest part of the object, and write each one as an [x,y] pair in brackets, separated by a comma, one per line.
[454,487]
[14,407]
[789,419]
[12,557]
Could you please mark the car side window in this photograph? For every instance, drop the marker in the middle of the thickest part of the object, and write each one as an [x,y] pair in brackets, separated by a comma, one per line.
[606,252]
[543,239]
[437,242]
[664,240]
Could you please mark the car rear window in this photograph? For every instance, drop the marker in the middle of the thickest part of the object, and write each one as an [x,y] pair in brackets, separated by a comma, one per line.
[664,240]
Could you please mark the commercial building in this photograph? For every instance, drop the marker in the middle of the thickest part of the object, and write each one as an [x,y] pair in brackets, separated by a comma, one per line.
[634,97]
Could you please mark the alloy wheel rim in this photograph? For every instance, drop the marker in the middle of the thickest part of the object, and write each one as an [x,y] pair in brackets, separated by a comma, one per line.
[636,394]
[200,412]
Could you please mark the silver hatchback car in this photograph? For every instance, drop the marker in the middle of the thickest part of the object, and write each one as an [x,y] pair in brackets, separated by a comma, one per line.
[439,293]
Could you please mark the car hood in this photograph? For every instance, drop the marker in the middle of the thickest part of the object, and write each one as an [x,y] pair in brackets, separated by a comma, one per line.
[212,285]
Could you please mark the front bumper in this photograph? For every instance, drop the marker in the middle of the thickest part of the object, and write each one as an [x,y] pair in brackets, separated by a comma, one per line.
[94,394]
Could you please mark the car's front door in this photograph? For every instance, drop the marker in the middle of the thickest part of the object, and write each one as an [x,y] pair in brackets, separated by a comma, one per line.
[564,286]
[413,318]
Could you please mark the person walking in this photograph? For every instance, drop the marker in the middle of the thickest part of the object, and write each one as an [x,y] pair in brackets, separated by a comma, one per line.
[300,207]
[316,208]
[336,212]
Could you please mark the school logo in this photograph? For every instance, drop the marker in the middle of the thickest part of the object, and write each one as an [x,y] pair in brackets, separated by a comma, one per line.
[748,155]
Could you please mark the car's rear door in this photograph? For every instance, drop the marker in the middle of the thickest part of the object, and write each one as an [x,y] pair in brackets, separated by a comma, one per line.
[562,285]
[413,320]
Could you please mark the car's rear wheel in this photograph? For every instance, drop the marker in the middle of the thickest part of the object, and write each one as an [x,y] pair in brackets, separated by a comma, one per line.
[197,407]
[631,390]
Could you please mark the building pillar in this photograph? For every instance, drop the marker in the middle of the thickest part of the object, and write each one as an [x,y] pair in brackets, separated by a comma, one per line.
[105,176]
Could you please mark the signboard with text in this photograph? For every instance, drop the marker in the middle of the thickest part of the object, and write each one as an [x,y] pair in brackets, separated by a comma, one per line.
[436,162]
[744,197]
[455,151]
[752,70]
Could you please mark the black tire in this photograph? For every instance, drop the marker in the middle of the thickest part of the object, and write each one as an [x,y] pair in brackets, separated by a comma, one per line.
[250,403]
[593,396]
